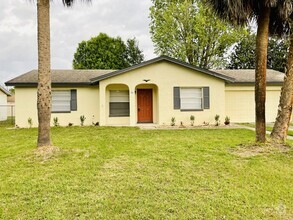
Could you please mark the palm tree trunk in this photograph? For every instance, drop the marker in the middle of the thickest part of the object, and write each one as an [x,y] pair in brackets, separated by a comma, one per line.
[282,122]
[44,74]
[260,74]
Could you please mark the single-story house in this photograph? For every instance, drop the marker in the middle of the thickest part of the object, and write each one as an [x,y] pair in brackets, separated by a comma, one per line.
[151,92]
[3,103]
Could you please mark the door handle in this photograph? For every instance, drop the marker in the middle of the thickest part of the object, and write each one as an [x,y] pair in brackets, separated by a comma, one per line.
[138,109]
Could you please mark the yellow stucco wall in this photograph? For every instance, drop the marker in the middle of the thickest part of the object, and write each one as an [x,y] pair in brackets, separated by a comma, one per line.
[163,76]
[87,105]
[234,101]
[240,105]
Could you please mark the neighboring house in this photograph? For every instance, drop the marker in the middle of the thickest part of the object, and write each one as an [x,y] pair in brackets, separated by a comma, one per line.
[3,103]
[10,105]
[151,92]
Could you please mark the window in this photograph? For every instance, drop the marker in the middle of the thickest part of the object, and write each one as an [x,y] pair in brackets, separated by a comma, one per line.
[191,98]
[64,101]
[119,103]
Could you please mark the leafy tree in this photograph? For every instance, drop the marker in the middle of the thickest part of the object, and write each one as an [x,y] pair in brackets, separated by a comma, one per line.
[104,52]
[133,53]
[44,73]
[12,90]
[243,55]
[188,31]
[270,17]
[278,54]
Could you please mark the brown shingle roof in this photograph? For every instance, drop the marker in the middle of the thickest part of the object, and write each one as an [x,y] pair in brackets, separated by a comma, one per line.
[87,77]
[77,77]
[248,75]
[166,59]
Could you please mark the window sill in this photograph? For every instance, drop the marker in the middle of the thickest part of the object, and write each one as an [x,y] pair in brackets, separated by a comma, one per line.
[117,116]
[62,112]
[191,110]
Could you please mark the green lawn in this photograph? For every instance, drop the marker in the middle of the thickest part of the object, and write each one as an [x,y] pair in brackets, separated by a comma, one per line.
[268,128]
[127,173]
[8,123]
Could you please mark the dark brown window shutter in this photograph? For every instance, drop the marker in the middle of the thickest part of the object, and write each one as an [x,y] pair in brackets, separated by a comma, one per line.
[176,96]
[206,97]
[73,101]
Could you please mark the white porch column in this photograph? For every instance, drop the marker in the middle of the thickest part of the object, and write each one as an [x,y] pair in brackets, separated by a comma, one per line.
[132,106]
[102,106]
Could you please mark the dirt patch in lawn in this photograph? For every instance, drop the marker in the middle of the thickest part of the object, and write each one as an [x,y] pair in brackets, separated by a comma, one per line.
[47,152]
[254,149]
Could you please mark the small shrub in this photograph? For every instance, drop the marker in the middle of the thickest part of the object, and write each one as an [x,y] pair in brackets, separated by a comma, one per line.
[181,124]
[192,120]
[82,119]
[206,123]
[55,121]
[30,122]
[70,124]
[173,120]
[217,119]
[93,120]
[227,120]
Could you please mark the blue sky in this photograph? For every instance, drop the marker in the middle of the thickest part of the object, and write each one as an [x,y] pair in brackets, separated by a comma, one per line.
[69,26]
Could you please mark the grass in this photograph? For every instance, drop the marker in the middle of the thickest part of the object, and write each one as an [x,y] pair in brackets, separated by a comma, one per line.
[127,173]
[8,123]
[268,127]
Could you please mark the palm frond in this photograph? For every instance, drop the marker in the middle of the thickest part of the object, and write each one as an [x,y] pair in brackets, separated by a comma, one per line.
[70,2]
[241,11]
[237,11]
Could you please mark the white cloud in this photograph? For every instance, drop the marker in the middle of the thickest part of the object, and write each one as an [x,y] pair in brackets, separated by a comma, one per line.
[69,26]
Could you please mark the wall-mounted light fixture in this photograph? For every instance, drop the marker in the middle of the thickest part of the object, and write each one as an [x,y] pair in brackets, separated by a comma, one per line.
[146,80]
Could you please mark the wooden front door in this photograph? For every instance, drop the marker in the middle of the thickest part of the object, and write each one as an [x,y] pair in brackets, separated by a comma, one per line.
[145,105]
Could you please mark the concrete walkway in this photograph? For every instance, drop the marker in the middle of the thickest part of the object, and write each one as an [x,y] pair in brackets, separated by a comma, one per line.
[268,132]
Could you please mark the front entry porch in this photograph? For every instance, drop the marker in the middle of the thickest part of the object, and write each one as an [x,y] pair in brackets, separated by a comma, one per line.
[126,105]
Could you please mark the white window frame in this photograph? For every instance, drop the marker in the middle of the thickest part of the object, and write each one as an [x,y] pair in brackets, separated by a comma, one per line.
[122,99]
[184,99]
[57,105]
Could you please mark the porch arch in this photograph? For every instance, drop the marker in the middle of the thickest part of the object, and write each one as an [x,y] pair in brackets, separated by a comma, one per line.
[121,101]
[154,89]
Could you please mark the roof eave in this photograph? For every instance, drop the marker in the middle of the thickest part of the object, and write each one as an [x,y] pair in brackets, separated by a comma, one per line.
[34,84]
[5,92]
[273,83]
[159,59]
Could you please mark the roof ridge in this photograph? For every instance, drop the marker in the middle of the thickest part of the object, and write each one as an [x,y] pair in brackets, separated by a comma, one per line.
[161,58]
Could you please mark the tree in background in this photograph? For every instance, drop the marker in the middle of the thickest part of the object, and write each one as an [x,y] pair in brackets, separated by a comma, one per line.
[104,52]
[243,55]
[133,53]
[269,16]
[278,54]
[188,31]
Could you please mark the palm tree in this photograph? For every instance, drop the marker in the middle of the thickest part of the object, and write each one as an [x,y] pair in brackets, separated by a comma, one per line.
[280,130]
[269,20]
[44,73]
